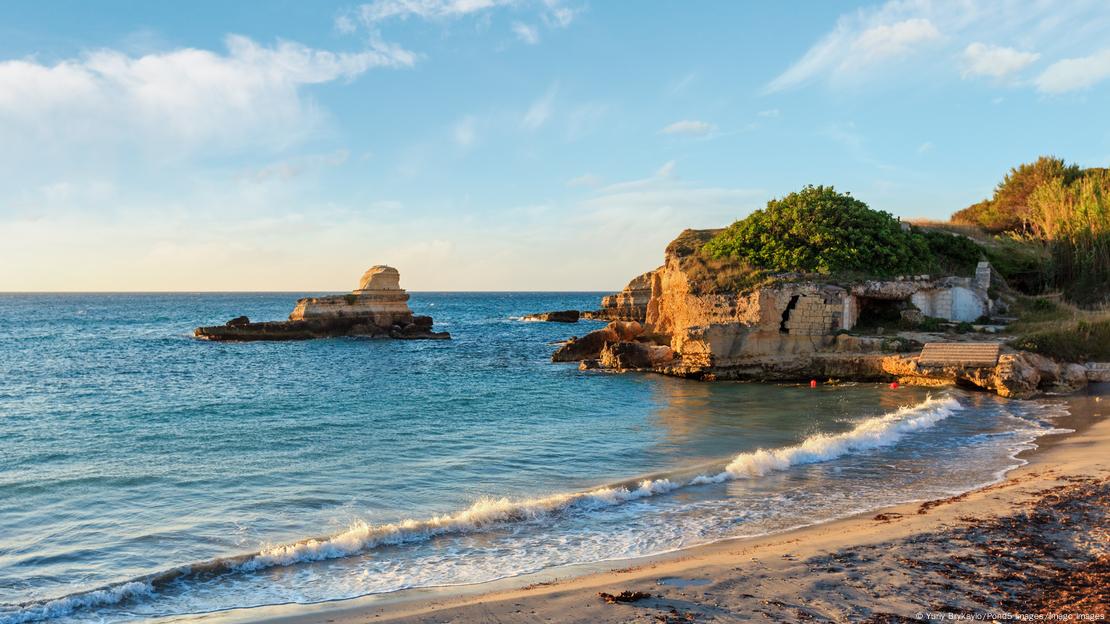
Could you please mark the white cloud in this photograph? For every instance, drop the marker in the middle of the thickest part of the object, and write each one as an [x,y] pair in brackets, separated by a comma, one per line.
[381,10]
[372,15]
[925,147]
[858,43]
[905,39]
[465,131]
[771,113]
[557,15]
[540,110]
[182,99]
[291,168]
[667,170]
[587,179]
[689,126]
[981,59]
[527,34]
[1074,74]
[652,212]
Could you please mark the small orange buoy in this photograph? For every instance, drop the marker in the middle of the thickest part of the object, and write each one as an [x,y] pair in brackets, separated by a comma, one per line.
[812,383]
[894,385]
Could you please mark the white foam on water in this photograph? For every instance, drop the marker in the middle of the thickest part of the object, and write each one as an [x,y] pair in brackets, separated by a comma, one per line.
[868,434]
[490,512]
[483,513]
[67,605]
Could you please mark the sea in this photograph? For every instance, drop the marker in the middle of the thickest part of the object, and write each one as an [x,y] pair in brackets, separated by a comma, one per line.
[147,474]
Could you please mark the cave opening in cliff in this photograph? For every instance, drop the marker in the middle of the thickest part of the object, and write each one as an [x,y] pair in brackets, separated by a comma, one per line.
[786,314]
[879,313]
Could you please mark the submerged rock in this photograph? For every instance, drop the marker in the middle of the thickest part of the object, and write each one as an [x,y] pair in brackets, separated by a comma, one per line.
[377,309]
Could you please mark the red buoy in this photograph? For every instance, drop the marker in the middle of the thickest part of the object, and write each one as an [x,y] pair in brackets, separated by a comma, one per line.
[894,385]
[812,383]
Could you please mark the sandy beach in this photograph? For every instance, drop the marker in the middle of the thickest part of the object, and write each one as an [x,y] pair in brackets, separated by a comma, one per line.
[1033,546]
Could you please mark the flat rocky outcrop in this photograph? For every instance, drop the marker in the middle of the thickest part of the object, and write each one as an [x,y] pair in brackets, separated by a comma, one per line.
[558,316]
[378,308]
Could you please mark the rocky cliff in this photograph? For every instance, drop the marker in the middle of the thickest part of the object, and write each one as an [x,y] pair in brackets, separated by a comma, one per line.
[725,322]
[378,308]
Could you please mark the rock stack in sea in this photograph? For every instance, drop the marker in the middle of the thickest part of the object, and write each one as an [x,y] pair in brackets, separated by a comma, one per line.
[378,308]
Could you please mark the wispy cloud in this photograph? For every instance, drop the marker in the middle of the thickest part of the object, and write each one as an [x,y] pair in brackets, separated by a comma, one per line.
[690,127]
[585,180]
[869,43]
[667,170]
[527,34]
[465,131]
[373,15]
[1075,74]
[981,59]
[382,10]
[857,44]
[540,110]
[291,168]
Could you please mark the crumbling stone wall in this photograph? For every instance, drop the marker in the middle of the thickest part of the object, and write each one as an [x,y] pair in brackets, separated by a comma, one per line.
[813,315]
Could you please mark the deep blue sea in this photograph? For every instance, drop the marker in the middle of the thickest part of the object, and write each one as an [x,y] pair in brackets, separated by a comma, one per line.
[144,473]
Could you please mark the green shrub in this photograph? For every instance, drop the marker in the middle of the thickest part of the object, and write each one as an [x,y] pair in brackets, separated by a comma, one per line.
[818,230]
[1025,264]
[930,324]
[952,254]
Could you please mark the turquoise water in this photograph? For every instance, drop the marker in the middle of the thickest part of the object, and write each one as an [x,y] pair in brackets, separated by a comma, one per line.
[144,473]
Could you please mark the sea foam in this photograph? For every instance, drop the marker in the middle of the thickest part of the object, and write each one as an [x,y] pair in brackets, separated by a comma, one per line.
[488,512]
[868,434]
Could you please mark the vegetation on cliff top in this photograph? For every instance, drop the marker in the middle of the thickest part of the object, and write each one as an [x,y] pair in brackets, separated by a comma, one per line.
[819,230]
[1051,227]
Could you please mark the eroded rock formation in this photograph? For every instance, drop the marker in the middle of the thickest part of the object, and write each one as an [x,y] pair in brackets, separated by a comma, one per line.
[790,328]
[378,308]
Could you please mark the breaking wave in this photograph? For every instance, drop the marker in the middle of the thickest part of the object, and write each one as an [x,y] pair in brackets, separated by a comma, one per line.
[868,434]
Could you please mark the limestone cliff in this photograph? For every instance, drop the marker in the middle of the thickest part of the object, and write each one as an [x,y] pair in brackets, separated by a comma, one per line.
[720,321]
[378,308]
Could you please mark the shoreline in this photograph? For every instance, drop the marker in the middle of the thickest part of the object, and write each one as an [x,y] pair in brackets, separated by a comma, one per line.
[711,572]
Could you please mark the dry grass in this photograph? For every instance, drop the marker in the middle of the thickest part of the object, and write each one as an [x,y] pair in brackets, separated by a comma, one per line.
[1049,326]
[973,232]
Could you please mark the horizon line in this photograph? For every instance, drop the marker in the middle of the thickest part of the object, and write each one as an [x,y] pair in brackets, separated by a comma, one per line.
[269,292]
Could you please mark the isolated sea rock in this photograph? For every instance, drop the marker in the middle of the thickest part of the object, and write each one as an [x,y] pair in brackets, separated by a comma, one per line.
[378,308]
[558,316]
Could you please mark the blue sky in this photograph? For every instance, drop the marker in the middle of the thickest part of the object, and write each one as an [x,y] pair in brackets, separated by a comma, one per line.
[501,145]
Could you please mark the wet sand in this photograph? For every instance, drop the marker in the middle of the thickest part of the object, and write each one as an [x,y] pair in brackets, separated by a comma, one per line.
[1036,543]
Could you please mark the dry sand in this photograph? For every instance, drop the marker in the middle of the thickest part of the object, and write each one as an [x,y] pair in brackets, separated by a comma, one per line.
[1036,543]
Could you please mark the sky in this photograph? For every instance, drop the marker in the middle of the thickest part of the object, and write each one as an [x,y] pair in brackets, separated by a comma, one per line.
[501,144]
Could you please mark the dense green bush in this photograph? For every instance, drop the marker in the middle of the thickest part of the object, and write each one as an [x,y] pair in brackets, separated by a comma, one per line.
[952,254]
[818,230]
